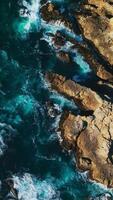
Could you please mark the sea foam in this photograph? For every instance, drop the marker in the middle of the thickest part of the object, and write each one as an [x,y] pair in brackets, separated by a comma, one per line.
[32,188]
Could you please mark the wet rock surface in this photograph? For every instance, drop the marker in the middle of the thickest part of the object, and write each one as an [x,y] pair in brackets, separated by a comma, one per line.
[96,22]
[90,136]
[97,67]
[50,13]
[85,97]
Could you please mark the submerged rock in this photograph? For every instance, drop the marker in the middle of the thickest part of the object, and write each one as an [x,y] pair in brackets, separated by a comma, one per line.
[64,57]
[59,40]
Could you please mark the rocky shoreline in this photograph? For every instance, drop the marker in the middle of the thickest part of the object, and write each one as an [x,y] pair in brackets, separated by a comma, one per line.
[89,135]
[95,20]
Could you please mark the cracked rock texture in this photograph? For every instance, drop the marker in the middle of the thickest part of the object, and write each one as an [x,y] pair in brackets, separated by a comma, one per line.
[96,22]
[91,136]
[97,67]
[89,133]
[93,141]
[51,14]
[85,97]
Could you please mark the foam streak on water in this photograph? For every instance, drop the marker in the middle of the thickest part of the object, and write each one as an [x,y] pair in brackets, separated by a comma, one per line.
[33,15]
[6,134]
[29,18]
[32,188]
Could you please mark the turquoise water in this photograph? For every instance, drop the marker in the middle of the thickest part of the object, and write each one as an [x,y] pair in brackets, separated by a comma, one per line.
[29,144]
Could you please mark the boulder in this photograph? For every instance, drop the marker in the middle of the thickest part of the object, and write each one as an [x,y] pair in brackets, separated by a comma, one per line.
[83,96]
[50,13]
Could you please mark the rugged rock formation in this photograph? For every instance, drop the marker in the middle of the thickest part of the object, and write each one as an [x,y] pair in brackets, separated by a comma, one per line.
[50,13]
[98,68]
[85,97]
[90,136]
[59,40]
[96,22]
[70,127]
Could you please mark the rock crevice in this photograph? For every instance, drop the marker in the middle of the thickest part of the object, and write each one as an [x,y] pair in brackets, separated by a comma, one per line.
[98,26]
[89,133]
[89,136]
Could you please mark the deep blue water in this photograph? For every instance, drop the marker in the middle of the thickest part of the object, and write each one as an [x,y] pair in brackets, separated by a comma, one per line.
[29,144]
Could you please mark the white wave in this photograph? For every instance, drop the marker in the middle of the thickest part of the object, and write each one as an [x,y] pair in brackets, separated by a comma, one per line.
[3,146]
[30,18]
[79,59]
[44,83]
[61,101]
[102,197]
[25,103]
[32,188]
[53,27]
[33,15]
[6,134]
[3,55]
[99,191]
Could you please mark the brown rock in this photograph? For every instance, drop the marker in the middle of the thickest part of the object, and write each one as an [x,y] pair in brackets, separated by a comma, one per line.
[90,136]
[84,97]
[64,57]
[98,68]
[96,22]
[92,139]
[59,40]
[70,128]
[50,13]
